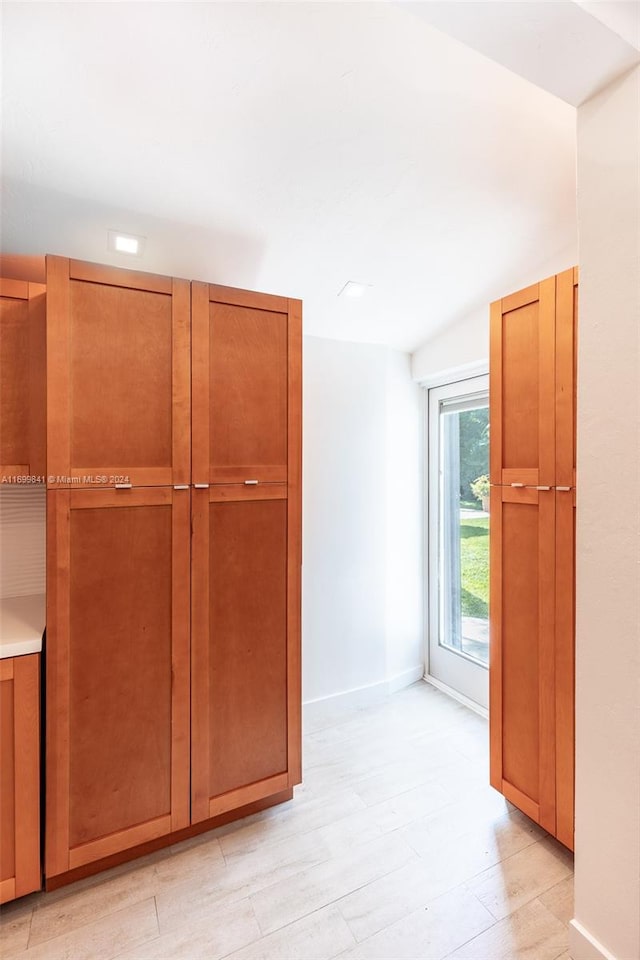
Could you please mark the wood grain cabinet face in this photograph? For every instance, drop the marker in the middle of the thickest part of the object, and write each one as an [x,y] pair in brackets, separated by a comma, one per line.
[117,671]
[565,665]
[240,385]
[173,654]
[246,548]
[22,378]
[533,448]
[522,394]
[20,871]
[118,376]
[522,673]
[239,648]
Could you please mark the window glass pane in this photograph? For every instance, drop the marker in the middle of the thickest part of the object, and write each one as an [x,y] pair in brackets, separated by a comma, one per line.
[464,529]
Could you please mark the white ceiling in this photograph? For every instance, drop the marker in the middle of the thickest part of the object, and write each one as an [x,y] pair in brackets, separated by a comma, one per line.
[569,49]
[288,147]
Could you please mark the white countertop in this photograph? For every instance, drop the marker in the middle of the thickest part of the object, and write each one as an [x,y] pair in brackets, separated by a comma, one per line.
[22,621]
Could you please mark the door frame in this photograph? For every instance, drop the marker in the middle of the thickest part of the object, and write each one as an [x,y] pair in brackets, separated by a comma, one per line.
[465,381]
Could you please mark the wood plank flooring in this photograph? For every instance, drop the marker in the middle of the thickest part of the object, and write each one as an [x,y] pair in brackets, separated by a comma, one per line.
[394,848]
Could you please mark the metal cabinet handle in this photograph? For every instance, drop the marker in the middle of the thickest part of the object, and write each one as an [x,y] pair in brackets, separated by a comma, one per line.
[564,489]
[517,484]
[123,486]
[201,486]
[249,483]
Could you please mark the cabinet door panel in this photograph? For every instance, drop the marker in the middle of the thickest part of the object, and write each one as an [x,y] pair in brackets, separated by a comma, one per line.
[118,671]
[118,375]
[533,443]
[240,650]
[522,379]
[101,376]
[22,378]
[565,665]
[248,386]
[240,373]
[522,706]
[248,651]
[566,382]
[7,781]
[566,376]
[20,871]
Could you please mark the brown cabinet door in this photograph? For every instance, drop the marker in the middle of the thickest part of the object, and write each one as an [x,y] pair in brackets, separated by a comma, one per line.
[565,664]
[522,386]
[246,547]
[117,671]
[241,658]
[20,871]
[522,665]
[118,376]
[22,378]
[243,357]
[566,376]
[566,379]
[533,457]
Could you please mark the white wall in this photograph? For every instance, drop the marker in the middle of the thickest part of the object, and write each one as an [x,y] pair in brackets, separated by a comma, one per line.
[455,350]
[404,518]
[362,520]
[460,348]
[607,881]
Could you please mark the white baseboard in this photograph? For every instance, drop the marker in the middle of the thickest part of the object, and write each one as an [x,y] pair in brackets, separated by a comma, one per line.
[405,679]
[368,694]
[582,946]
[460,697]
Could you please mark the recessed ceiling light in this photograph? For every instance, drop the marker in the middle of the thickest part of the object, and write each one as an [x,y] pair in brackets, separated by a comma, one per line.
[125,243]
[354,289]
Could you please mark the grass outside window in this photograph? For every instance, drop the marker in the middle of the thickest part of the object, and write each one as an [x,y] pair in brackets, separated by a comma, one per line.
[474,563]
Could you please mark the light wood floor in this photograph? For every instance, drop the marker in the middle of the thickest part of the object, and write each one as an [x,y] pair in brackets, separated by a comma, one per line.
[394,847]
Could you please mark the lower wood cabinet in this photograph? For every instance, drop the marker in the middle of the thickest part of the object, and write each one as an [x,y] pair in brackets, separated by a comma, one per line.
[522,677]
[20,871]
[118,669]
[245,728]
[565,600]
[532,653]
[173,662]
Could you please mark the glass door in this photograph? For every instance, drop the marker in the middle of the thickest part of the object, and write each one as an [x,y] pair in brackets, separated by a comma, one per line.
[458,494]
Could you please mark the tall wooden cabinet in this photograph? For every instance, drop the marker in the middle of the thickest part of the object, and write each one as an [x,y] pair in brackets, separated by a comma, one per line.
[20,870]
[22,383]
[246,350]
[173,631]
[532,397]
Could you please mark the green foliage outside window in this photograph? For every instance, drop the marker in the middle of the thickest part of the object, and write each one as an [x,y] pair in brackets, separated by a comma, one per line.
[480,487]
[474,449]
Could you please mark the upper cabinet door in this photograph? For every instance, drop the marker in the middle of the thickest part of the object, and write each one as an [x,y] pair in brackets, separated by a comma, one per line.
[22,378]
[566,376]
[522,387]
[118,376]
[240,360]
